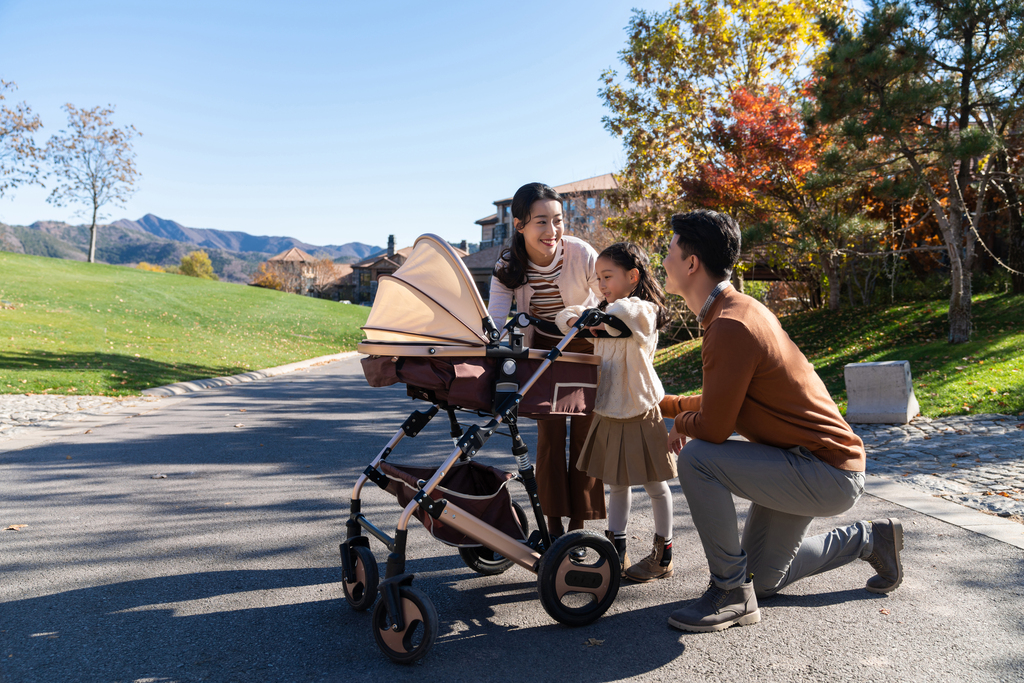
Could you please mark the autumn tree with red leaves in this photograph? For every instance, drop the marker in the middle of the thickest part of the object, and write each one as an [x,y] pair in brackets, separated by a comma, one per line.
[766,170]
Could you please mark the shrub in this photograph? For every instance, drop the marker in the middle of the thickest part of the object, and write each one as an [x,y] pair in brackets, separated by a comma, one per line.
[197,264]
[150,267]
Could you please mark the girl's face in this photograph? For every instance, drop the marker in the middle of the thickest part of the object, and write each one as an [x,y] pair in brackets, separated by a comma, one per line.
[543,232]
[615,281]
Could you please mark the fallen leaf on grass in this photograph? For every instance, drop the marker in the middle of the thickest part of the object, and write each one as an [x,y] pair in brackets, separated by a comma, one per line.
[239,425]
[591,642]
[883,611]
[87,431]
[15,527]
[241,410]
[159,476]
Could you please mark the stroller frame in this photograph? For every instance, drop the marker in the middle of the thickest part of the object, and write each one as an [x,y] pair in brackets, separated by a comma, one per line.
[578,565]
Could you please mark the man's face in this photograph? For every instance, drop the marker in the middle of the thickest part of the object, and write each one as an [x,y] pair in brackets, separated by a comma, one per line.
[675,268]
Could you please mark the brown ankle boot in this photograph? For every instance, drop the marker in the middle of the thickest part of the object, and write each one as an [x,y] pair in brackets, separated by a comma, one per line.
[650,568]
[620,548]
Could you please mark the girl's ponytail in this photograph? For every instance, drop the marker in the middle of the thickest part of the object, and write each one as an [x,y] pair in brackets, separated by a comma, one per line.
[511,266]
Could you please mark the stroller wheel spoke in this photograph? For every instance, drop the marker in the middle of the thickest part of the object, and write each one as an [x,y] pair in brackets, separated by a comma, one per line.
[577,590]
[415,640]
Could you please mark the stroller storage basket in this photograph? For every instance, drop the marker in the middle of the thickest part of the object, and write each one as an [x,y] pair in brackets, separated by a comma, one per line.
[478,489]
[465,377]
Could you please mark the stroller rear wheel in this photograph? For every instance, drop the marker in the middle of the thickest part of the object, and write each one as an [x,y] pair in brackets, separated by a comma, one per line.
[577,590]
[361,589]
[485,561]
[414,641]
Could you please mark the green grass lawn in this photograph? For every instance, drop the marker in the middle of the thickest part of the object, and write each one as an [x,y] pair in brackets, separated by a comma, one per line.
[985,375]
[68,327]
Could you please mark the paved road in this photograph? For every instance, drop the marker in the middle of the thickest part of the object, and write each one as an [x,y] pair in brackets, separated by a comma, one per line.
[176,545]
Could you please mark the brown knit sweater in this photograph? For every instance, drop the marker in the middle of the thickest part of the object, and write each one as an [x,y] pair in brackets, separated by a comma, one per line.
[758,384]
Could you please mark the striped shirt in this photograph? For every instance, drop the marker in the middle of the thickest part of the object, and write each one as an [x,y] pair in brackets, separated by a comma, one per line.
[546,301]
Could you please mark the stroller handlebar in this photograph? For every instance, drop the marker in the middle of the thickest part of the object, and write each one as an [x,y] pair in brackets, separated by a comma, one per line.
[588,318]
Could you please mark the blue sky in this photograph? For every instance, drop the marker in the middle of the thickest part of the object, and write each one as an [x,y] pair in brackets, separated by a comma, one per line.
[331,122]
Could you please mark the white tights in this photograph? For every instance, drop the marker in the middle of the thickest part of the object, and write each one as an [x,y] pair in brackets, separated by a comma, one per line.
[620,498]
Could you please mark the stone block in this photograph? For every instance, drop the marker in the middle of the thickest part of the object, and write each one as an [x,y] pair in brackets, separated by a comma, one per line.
[881,392]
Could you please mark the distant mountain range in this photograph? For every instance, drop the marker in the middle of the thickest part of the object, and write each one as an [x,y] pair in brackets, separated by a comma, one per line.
[235,255]
[242,241]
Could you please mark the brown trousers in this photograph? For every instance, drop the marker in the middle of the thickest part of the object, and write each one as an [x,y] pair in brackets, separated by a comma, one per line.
[565,491]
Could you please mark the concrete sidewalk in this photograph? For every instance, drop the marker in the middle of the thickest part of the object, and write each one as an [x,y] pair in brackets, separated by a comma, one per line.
[197,541]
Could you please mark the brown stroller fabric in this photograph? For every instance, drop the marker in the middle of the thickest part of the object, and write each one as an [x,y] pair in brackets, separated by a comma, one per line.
[429,317]
[478,489]
[565,389]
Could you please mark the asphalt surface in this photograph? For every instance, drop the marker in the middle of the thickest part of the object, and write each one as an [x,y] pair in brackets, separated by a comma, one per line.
[198,541]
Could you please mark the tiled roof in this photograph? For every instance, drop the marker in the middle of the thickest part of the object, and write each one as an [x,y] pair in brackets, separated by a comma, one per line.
[293,255]
[493,218]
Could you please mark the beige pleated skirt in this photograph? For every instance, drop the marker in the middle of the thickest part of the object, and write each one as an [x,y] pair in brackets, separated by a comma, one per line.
[632,451]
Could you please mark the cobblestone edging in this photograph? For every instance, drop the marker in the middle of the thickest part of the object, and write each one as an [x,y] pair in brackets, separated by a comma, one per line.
[35,414]
[976,460]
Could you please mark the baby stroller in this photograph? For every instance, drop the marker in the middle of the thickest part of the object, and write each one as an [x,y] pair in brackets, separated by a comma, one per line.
[429,329]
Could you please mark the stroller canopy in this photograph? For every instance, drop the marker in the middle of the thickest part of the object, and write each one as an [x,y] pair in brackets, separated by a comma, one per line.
[430,299]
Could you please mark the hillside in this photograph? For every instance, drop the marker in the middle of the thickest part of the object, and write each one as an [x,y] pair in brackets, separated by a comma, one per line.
[81,328]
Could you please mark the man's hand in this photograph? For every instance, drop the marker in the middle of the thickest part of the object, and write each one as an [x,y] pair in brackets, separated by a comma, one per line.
[676,441]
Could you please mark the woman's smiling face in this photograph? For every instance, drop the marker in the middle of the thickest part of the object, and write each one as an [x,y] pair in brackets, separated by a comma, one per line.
[543,231]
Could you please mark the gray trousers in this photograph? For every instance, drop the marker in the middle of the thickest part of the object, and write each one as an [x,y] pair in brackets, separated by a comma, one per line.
[787,490]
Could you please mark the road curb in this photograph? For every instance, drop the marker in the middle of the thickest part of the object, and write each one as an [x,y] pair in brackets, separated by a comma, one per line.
[996,528]
[179,388]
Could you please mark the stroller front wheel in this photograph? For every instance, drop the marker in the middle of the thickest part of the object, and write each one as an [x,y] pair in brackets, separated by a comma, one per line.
[361,589]
[414,641]
[485,561]
[577,590]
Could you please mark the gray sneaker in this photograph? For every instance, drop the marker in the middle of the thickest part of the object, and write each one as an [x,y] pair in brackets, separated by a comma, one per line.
[718,609]
[886,544]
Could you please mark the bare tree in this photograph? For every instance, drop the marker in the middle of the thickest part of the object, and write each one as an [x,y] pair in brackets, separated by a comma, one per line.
[19,155]
[323,272]
[276,275]
[94,163]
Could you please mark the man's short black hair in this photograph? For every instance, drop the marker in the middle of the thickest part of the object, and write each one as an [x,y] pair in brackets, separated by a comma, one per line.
[714,237]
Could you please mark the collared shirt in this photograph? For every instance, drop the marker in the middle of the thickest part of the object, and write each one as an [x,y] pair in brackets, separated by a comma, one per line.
[711,299]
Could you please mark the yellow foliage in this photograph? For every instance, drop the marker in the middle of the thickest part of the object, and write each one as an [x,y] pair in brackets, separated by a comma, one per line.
[269,277]
[150,267]
[197,264]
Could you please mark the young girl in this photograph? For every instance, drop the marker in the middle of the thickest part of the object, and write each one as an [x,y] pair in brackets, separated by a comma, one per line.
[628,442]
[544,271]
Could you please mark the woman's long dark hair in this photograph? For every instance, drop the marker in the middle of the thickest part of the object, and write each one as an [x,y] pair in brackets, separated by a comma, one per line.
[628,256]
[511,266]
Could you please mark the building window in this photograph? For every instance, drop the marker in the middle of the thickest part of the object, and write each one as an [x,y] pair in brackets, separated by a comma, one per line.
[591,202]
[590,221]
[604,202]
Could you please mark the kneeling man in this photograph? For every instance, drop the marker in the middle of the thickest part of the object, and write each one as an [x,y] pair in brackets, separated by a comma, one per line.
[801,460]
